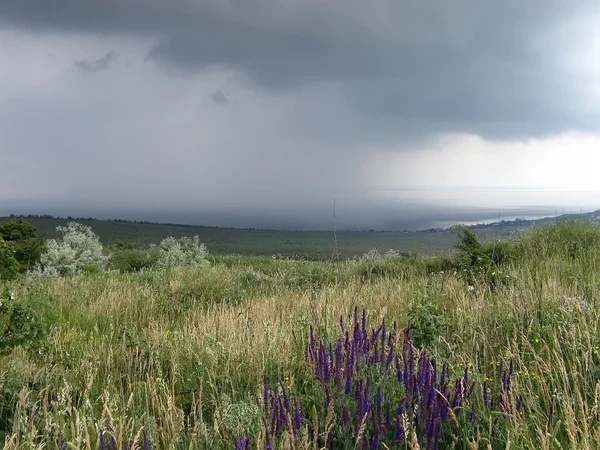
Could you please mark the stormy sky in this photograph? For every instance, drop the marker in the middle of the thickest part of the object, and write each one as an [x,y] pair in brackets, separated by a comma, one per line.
[261,112]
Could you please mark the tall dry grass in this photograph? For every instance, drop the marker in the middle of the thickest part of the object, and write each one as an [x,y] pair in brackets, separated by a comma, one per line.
[175,359]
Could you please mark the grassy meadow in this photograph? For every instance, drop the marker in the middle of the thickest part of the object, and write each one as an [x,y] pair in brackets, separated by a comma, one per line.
[263,353]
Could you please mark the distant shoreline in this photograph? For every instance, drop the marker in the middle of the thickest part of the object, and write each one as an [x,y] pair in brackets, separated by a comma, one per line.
[444,226]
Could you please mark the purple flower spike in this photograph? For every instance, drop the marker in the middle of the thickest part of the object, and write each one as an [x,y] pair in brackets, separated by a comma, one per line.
[286,397]
[520,403]
[266,392]
[298,416]
[364,321]
[101,441]
[339,361]
[146,444]
[486,400]
[388,416]
[243,444]
[376,442]
[113,440]
[348,387]
[551,415]
[399,430]
[345,416]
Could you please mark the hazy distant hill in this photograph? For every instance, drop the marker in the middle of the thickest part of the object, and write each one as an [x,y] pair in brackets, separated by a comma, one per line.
[311,244]
[526,223]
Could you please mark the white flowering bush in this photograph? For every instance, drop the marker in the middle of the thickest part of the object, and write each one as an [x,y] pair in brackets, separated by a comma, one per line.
[182,252]
[374,255]
[77,250]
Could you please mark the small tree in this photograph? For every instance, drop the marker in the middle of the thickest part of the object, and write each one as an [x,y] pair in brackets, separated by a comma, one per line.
[9,266]
[476,259]
[77,250]
[27,244]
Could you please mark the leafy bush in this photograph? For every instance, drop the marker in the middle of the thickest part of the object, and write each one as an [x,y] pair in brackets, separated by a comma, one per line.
[182,252]
[443,263]
[9,266]
[427,318]
[374,255]
[479,261]
[133,260]
[20,323]
[23,237]
[78,250]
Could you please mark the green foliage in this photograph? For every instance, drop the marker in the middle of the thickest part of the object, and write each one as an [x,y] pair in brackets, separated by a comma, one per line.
[9,266]
[443,263]
[24,239]
[483,262]
[127,259]
[566,239]
[427,317]
[182,352]
[21,324]
[120,245]
[312,245]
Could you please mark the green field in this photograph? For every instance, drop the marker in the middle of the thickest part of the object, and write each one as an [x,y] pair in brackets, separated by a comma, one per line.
[502,351]
[309,244]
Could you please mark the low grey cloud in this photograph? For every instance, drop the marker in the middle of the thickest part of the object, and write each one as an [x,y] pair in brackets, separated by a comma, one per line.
[492,68]
[315,93]
[98,65]
[219,97]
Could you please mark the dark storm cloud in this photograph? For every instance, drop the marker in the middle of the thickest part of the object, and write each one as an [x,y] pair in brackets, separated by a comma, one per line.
[93,66]
[219,97]
[468,66]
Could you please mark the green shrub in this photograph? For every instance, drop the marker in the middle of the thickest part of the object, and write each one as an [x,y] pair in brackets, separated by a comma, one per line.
[9,266]
[23,237]
[437,264]
[20,323]
[482,262]
[427,317]
[133,260]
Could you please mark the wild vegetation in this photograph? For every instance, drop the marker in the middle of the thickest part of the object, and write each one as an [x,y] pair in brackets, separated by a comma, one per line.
[494,345]
[313,245]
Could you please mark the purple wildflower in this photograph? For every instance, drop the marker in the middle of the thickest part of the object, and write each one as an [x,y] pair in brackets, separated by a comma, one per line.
[145,443]
[376,442]
[399,430]
[101,441]
[519,403]
[243,444]
[345,416]
[298,416]
[486,400]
